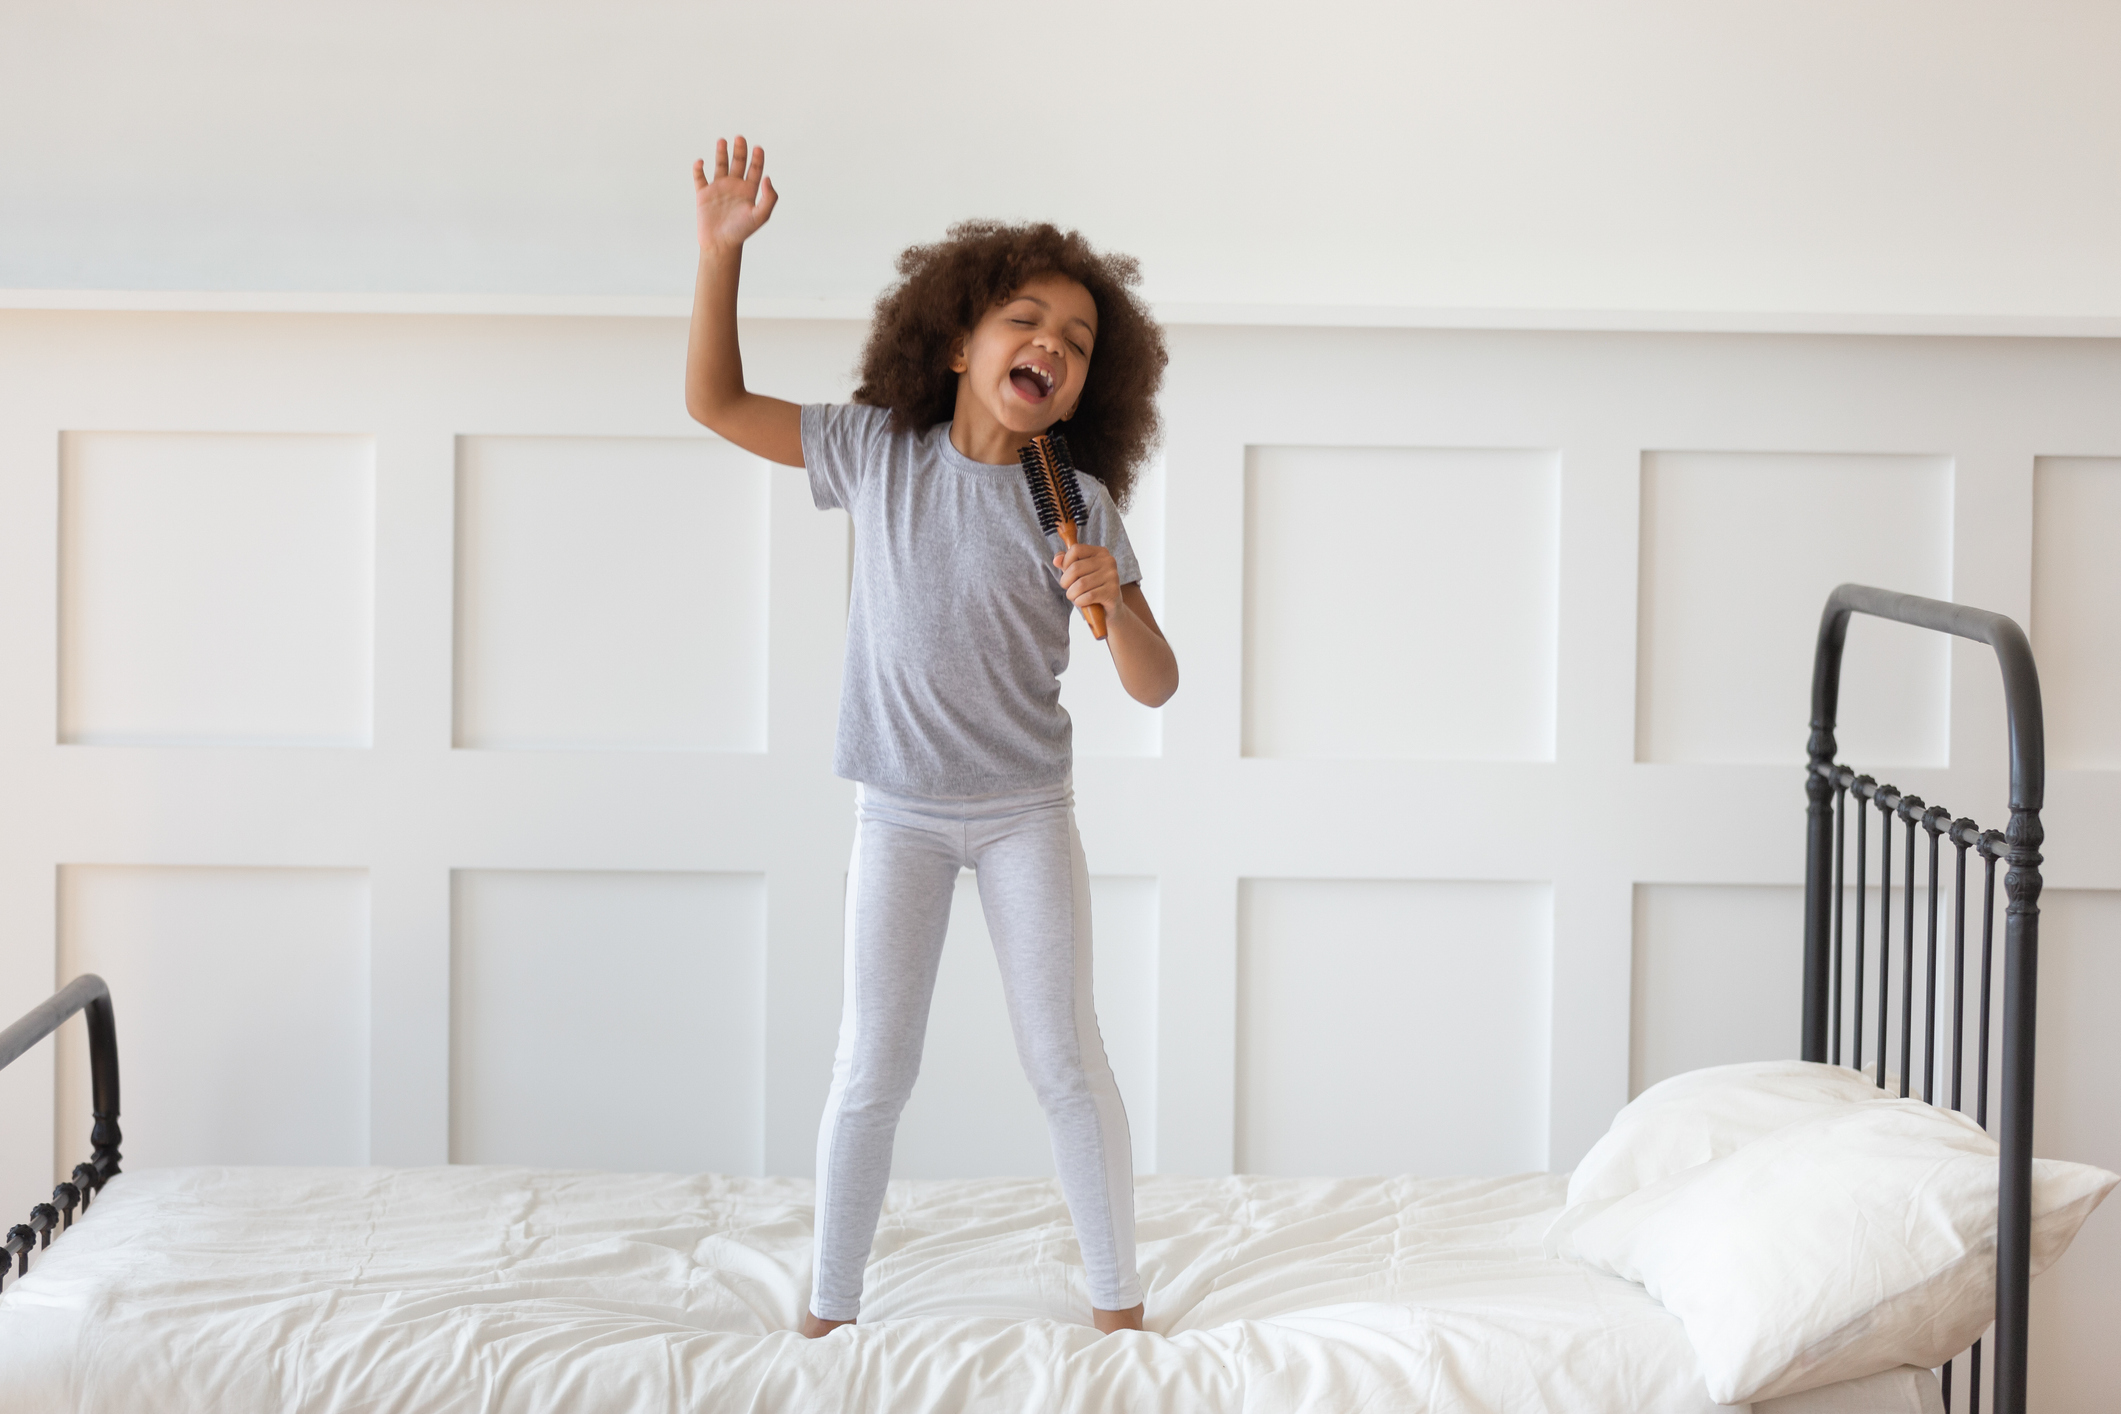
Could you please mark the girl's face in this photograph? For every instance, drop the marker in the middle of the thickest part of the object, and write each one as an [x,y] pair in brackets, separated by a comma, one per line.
[1024,364]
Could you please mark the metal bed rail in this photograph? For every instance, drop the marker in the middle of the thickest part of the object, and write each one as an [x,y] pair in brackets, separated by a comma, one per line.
[1835,945]
[85,993]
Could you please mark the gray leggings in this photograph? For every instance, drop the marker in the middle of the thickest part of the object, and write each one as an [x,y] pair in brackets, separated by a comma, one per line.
[1035,889]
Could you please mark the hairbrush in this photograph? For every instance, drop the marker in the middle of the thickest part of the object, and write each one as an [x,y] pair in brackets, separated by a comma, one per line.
[1058,501]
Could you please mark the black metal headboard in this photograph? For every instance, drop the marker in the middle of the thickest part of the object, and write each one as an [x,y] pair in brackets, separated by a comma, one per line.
[1828,787]
[85,993]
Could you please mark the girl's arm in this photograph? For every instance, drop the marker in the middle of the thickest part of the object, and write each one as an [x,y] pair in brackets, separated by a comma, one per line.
[730,208]
[1148,669]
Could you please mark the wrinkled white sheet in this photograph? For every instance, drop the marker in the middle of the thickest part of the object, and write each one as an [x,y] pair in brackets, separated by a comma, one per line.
[432,1291]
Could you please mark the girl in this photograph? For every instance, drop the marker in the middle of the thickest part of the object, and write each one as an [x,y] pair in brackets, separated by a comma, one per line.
[950,717]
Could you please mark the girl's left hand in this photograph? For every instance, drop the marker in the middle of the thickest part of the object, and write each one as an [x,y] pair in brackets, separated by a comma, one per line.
[1090,575]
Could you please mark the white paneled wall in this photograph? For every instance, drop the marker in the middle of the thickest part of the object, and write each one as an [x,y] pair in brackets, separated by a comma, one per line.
[1415,1008]
[2076,623]
[604,1012]
[243,1011]
[1476,808]
[1716,980]
[2076,1363]
[1739,552]
[1458,548]
[611,594]
[215,588]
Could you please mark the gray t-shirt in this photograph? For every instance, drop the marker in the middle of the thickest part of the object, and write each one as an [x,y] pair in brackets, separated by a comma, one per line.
[957,631]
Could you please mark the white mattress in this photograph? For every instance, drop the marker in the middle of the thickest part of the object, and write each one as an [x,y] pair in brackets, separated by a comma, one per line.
[491,1289]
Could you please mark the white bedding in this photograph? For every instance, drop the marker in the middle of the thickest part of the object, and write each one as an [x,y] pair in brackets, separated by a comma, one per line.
[460,1289]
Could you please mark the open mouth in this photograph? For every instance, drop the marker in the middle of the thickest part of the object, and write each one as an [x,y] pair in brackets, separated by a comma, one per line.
[1032,383]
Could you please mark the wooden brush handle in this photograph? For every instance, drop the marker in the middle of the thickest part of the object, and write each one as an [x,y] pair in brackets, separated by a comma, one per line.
[1093,614]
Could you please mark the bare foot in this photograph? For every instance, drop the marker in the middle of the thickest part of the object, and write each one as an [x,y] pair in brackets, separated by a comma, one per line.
[815,1326]
[1110,1321]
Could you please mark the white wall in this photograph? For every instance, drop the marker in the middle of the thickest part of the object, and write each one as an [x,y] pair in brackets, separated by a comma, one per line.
[399,859]
[1816,158]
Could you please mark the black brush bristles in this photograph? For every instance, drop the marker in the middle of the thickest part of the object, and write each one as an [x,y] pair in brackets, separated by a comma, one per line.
[1041,487]
[1055,494]
[1064,473]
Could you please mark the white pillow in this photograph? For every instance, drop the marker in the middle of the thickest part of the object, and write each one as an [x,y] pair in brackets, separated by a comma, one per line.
[1706,1114]
[1833,1248]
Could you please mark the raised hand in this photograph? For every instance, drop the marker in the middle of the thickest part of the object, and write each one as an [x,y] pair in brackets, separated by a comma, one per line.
[737,201]
[730,207]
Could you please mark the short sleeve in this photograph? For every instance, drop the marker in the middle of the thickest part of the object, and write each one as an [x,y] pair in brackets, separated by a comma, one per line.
[841,443]
[1106,528]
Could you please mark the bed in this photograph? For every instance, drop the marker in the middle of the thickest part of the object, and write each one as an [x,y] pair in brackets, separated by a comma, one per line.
[489,1289]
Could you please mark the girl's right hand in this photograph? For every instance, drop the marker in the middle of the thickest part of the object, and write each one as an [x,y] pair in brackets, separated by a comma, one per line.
[739,199]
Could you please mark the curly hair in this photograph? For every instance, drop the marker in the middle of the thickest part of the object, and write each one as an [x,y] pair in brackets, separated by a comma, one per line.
[944,289]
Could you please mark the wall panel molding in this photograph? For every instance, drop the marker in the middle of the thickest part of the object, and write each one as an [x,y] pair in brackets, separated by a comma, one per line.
[611,594]
[1739,551]
[216,588]
[1392,1026]
[1400,603]
[608,1019]
[242,1001]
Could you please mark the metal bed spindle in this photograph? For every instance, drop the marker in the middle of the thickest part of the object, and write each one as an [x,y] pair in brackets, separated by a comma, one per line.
[2018,847]
[1958,827]
[1886,799]
[1863,786]
[1841,801]
[1930,826]
[1909,808]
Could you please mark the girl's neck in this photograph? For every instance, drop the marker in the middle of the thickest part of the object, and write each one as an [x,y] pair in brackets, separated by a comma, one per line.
[976,433]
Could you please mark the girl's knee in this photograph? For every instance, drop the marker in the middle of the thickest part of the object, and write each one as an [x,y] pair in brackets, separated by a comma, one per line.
[1061,1079]
[877,1094]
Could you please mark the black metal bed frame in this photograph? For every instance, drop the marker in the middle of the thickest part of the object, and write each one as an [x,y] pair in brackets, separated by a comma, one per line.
[1828,789]
[85,993]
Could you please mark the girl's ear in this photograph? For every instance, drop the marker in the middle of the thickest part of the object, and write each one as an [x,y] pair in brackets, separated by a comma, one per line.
[957,354]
